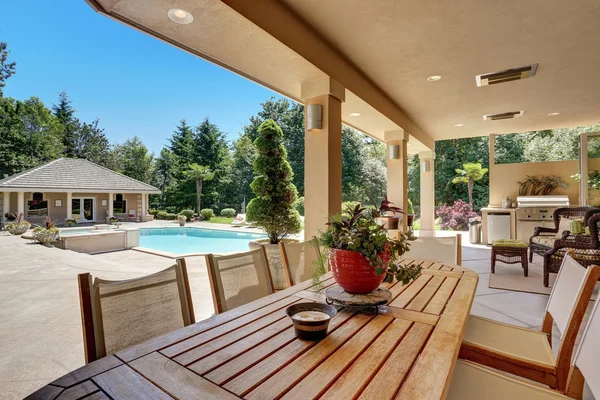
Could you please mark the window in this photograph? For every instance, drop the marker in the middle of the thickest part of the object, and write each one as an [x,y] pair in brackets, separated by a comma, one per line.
[119,205]
[37,206]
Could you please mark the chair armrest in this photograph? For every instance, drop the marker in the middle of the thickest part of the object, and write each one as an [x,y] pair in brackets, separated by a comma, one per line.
[583,242]
[540,231]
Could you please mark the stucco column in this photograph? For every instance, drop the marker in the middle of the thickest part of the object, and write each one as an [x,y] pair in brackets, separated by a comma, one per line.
[322,155]
[69,205]
[6,205]
[144,205]
[397,171]
[21,203]
[110,205]
[426,165]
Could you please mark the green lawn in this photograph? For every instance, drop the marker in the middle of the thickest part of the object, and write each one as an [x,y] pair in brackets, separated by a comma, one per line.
[220,220]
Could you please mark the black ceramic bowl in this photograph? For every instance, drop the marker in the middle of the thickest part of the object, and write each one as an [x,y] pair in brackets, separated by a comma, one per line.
[307,329]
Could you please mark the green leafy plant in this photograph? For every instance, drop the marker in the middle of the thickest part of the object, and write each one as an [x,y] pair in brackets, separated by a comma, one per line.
[470,173]
[228,212]
[593,179]
[542,185]
[171,216]
[273,209]
[207,214]
[409,209]
[113,220]
[189,214]
[19,226]
[45,235]
[359,231]
[161,215]
[72,222]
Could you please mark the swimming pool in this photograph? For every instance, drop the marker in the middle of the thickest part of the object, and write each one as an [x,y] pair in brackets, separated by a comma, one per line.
[186,240]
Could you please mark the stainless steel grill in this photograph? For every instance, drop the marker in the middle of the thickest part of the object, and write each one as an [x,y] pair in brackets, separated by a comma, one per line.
[535,211]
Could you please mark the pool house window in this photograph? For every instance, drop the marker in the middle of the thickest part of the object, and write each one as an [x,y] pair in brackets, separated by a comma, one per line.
[37,206]
[119,204]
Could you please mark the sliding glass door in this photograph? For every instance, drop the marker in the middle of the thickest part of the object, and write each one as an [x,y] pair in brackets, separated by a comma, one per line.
[83,209]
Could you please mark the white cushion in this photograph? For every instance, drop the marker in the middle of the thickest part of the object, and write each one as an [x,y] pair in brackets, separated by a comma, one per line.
[474,382]
[564,225]
[523,343]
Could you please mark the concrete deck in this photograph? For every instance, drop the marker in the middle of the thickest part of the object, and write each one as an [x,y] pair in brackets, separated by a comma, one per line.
[40,329]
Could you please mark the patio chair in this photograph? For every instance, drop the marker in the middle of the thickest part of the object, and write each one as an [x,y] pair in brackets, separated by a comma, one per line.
[240,278]
[473,382]
[445,249]
[239,220]
[298,260]
[584,248]
[527,352]
[119,314]
[543,238]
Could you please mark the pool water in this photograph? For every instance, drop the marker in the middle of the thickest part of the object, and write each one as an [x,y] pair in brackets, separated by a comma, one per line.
[195,240]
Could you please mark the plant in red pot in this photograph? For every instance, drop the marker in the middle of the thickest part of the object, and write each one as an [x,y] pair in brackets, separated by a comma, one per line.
[361,255]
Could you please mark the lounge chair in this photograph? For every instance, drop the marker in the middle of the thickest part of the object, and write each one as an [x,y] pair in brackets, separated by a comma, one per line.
[239,220]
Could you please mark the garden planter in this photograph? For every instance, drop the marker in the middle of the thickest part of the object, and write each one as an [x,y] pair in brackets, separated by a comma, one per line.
[181,223]
[351,270]
[390,221]
[45,236]
[409,219]
[17,229]
[275,263]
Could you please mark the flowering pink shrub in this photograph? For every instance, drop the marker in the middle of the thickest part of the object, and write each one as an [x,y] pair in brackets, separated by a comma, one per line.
[456,216]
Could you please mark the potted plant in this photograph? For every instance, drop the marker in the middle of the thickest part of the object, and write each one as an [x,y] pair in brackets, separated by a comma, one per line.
[47,233]
[361,255]
[273,208]
[111,220]
[181,219]
[387,214]
[410,214]
[19,226]
[72,222]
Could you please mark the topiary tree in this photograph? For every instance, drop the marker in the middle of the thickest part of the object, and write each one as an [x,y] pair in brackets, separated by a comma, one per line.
[273,208]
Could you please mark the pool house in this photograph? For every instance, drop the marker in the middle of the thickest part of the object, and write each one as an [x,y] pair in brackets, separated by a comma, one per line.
[74,189]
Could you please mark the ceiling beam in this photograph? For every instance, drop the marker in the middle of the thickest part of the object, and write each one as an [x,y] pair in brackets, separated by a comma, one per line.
[280,22]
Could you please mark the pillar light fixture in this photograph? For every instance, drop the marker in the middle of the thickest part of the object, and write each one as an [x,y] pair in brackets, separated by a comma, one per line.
[314,117]
[425,166]
[394,150]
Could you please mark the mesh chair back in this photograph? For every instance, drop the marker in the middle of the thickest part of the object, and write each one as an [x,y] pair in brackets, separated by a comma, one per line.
[125,313]
[441,249]
[298,260]
[565,292]
[239,278]
[588,353]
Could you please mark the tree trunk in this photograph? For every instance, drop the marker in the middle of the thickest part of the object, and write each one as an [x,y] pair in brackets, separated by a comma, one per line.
[199,195]
[471,184]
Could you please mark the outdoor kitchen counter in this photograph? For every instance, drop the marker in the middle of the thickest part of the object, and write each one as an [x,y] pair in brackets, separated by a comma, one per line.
[409,350]
[498,210]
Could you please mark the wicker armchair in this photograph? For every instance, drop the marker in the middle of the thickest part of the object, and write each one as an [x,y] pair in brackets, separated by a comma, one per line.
[585,249]
[543,238]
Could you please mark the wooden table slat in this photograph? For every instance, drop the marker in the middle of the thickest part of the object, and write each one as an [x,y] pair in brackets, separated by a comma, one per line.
[88,371]
[422,299]
[97,396]
[177,380]
[124,383]
[78,391]
[439,300]
[386,383]
[319,380]
[436,272]
[48,392]
[410,292]
[292,372]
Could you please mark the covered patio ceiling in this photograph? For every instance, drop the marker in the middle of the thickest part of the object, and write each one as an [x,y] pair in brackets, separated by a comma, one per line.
[383,52]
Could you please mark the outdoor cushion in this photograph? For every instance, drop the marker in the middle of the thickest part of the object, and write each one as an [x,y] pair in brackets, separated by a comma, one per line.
[517,342]
[509,243]
[564,225]
[547,241]
[473,382]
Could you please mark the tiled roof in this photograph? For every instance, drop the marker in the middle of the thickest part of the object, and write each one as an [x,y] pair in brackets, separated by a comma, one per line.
[73,174]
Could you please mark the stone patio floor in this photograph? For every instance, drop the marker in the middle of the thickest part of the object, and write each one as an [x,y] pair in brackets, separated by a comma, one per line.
[40,325]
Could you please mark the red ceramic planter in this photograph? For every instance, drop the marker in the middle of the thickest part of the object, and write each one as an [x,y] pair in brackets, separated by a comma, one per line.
[351,270]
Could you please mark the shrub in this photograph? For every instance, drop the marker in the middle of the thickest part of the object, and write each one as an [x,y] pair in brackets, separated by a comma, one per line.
[228,212]
[161,215]
[456,217]
[410,210]
[300,205]
[154,212]
[189,214]
[273,207]
[207,214]
[171,216]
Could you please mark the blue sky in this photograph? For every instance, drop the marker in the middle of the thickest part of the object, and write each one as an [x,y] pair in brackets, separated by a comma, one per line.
[134,84]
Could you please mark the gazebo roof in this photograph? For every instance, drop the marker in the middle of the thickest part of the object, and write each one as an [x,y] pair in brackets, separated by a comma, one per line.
[74,175]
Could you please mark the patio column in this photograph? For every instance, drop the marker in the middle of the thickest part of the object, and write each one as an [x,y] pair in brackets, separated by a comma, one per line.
[6,205]
[426,162]
[322,153]
[144,205]
[397,170]
[110,205]
[21,203]
[69,205]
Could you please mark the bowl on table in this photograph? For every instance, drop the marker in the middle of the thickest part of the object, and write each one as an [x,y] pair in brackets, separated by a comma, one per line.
[311,320]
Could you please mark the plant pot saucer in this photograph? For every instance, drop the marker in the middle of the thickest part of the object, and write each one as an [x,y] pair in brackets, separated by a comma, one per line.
[378,297]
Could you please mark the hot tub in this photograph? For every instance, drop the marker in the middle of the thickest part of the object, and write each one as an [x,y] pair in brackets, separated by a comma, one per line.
[97,239]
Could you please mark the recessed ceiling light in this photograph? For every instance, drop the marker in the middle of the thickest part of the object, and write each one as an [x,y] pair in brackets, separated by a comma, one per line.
[180,16]
[434,78]
[459,125]
[354,114]
[553,114]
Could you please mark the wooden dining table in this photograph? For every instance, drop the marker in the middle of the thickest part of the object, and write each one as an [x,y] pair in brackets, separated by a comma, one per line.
[407,350]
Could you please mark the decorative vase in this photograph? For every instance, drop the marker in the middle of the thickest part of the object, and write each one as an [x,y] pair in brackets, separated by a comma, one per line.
[351,270]
[507,202]
[410,219]
[390,221]
[181,222]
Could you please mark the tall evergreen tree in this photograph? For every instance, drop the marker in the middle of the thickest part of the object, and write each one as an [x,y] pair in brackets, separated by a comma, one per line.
[181,143]
[7,69]
[136,162]
[211,150]
[65,113]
